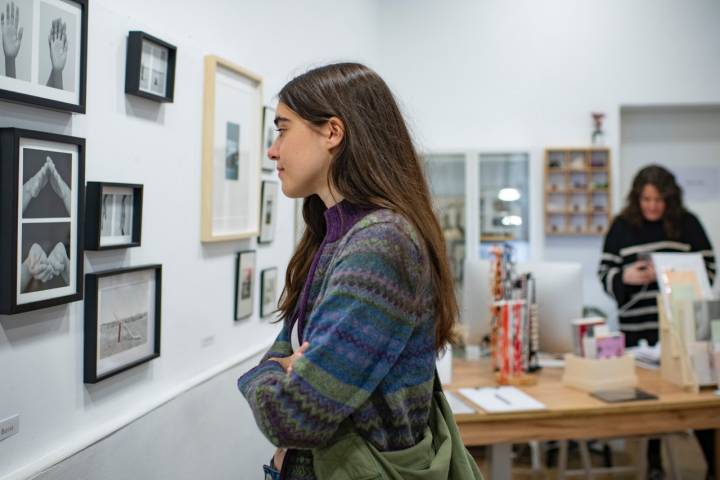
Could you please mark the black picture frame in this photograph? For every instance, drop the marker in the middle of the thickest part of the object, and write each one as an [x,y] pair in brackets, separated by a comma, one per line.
[24,90]
[94,195]
[133,68]
[268,211]
[93,371]
[244,298]
[48,222]
[268,276]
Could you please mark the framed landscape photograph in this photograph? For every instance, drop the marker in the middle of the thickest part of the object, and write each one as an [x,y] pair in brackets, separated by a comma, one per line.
[44,50]
[270,134]
[41,229]
[232,145]
[268,291]
[113,215]
[244,284]
[268,214]
[122,320]
[150,67]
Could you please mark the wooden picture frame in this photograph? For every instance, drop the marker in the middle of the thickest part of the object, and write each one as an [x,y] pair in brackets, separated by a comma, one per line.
[245,262]
[122,320]
[232,144]
[41,225]
[150,67]
[49,66]
[113,215]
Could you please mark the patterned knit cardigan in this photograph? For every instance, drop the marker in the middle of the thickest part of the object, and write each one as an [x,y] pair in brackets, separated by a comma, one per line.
[371,329]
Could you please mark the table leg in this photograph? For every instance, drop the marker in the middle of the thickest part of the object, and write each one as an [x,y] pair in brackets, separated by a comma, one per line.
[500,461]
[717,451]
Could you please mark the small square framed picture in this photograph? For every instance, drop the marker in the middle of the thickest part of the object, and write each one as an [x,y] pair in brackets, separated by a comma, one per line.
[268,291]
[150,67]
[244,284]
[113,215]
[268,212]
[269,136]
[122,320]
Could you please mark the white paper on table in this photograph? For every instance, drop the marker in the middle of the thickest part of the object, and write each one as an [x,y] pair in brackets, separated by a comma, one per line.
[502,399]
[456,405]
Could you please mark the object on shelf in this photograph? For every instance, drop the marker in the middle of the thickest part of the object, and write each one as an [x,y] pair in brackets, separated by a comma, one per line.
[598,136]
[578,161]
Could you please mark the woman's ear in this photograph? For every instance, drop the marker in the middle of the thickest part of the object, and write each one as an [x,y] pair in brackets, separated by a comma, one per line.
[335,133]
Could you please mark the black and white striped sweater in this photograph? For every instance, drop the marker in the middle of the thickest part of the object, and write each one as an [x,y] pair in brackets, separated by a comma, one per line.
[637,306]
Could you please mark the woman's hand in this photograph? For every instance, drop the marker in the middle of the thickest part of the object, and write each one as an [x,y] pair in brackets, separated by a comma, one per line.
[641,272]
[279,458]
[287,362]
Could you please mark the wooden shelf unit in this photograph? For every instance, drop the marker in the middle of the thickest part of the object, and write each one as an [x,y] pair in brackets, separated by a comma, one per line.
[577,191]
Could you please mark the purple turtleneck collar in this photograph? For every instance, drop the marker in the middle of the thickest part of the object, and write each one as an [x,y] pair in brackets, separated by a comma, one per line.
[339,219]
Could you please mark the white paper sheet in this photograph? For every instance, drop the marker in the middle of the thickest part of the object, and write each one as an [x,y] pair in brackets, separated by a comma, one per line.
[502,399]
[456,405]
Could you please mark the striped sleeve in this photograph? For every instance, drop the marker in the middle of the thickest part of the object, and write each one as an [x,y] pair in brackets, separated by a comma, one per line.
[700,243]
[610,268]
[356,331]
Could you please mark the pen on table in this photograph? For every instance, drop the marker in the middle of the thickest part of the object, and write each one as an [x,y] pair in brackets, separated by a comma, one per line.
[502,399]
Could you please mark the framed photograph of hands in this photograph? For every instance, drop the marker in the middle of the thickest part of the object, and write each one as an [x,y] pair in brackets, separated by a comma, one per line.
[44,47]
[150,67]
[232,144]
[244,284]
[268,214]
[268,291]
[41,229]
[113,215]
[122,320]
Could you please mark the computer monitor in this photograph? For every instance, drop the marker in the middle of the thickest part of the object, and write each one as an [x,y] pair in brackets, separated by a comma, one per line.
[558,288]
[475,314]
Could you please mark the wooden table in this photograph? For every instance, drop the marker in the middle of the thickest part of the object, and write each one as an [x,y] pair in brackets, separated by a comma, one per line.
[573,414]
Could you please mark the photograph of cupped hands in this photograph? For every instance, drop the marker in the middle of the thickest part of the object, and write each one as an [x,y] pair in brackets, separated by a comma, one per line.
[46,184]
[45,256]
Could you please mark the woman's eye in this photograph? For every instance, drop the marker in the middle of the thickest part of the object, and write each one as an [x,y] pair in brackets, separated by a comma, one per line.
[280,130]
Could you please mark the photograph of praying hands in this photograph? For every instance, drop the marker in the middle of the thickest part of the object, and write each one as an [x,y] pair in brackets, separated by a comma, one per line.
[46,193]
[57,41]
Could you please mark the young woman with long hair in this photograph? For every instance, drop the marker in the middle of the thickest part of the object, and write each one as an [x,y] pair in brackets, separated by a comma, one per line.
[368,300]
[653,220]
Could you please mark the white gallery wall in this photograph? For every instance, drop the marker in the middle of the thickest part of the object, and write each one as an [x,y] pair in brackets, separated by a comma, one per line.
[138,141]
[524,75]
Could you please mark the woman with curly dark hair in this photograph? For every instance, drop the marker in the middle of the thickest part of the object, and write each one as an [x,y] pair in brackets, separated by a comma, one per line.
[654,220]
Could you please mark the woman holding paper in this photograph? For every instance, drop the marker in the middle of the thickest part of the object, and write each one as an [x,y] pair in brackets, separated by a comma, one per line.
[653,220]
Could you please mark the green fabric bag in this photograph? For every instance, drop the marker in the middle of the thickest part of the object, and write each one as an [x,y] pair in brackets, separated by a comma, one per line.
[440,455]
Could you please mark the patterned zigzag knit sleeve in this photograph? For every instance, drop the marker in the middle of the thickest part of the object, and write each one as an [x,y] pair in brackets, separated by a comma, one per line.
[699,242]
[356,334]
[281,347]
[611,264]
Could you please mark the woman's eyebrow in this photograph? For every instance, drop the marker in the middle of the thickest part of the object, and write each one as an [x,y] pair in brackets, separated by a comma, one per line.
[280,119]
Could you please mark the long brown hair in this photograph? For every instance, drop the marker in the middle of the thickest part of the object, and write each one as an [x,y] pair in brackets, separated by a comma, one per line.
[376,166]
[672,194]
